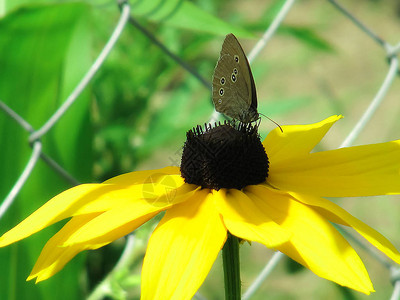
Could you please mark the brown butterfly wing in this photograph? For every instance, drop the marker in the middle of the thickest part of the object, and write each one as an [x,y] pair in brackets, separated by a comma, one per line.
[232,46]
[234,92]
[229,96]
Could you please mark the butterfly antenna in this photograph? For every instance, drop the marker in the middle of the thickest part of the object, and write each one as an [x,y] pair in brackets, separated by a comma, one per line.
[272,122]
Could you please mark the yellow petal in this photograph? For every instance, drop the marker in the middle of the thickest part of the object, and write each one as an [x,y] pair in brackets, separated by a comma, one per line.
[296,140]
[60,207]
[53,257]
[148,176]
[89,198]
[182,249]
[315,243]
[336,214]
[246,218]
[133,211]
[355,171]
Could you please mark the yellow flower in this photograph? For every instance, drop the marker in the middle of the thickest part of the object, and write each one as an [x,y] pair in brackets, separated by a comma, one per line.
[284,212]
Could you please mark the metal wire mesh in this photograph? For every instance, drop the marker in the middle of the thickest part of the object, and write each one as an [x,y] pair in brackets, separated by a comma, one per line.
[38,153]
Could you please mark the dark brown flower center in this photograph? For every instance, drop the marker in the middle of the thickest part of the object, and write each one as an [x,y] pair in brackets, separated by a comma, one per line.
[230,155]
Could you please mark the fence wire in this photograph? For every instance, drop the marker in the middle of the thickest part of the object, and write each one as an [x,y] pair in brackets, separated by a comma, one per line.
[37,153]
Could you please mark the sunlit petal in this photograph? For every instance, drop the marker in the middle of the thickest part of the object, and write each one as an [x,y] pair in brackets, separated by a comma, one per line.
[89,198]
[60,207]
[335,213]
[182,249]
[134,211]
[148,176]
[296,140]
[245,218]
[54,257]
[356,171]
[315,243]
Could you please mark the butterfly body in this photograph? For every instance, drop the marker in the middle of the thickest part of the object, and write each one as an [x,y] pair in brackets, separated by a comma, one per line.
[234,91]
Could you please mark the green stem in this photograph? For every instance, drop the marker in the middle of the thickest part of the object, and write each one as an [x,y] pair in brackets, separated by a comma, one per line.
[230,257]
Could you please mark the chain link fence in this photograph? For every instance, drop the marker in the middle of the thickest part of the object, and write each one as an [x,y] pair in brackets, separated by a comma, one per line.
[38,153]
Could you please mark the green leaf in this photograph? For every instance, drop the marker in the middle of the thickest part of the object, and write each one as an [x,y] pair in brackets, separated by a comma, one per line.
[185,15]
[45,51]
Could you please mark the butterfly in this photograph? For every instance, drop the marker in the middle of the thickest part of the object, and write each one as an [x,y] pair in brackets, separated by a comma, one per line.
[233,88]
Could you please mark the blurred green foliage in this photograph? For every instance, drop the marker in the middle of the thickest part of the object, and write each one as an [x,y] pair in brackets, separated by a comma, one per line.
[138,107]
